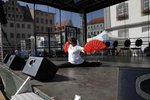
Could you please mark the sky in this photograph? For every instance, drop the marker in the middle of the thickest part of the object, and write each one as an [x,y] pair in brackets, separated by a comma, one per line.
[75,17]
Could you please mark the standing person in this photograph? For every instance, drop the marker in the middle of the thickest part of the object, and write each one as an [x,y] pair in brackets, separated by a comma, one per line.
[74,58]
[16,52]
[147,50]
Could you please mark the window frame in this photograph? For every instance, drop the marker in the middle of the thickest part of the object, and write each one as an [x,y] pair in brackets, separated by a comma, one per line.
[122,11]
[145,7]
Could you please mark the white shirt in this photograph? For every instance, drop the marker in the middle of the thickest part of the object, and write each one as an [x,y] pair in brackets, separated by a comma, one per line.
[74,54]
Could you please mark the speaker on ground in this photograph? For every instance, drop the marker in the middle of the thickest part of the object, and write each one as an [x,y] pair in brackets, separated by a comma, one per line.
[15,62]
[40,68]
[6,58]
[134,84]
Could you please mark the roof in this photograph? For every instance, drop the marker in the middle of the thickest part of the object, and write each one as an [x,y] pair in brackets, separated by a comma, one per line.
[25,11]
[96,20]
[64,23]
[79,6]
[26,14]
[32,12]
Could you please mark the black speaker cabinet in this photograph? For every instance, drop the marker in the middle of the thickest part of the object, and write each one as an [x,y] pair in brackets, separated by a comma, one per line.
[134,84]
[6,58]
[15,62]
[40,68]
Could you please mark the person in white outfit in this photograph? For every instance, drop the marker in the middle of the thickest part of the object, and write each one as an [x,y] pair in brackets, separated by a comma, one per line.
[74,57]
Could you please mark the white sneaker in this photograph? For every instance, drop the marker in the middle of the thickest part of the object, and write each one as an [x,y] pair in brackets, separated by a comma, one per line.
[77,97]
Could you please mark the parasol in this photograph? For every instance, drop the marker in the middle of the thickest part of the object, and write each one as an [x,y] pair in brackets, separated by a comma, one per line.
[94,45]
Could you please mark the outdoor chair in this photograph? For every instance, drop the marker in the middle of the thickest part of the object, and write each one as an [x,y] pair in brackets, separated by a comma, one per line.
[126,51]
[136,51]
[114,49]
[108,50]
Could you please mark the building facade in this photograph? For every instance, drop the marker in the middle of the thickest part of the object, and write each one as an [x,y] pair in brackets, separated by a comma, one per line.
[44,21]
[44,26]
[19,26]
[22,24]
[95,27]
[129,19]
[60,27]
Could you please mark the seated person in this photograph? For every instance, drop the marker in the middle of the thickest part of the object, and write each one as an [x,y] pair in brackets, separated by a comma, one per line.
[147,50]
[74,58]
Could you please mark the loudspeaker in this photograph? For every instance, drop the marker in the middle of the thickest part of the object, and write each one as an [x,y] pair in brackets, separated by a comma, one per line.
[134,84]
[40,68]
[6,58]
[3,19]
[15,62]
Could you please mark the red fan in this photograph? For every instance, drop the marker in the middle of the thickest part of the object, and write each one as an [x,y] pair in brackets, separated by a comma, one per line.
[66,46]
[94,45]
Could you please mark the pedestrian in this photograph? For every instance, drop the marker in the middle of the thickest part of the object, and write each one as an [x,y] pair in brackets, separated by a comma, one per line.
[16,52]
